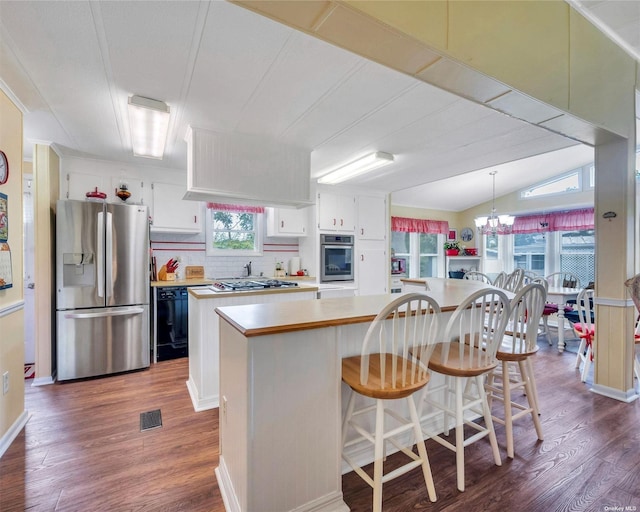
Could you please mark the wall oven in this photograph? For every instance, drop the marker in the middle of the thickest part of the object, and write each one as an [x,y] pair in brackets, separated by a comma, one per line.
[336,258]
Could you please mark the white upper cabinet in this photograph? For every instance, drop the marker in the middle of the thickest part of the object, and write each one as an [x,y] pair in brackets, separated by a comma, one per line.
[336,212]
[286,222]
[372,218]
[171,213]
[78,184]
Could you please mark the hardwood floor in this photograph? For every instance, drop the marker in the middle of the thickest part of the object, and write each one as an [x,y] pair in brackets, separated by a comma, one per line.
[82,450]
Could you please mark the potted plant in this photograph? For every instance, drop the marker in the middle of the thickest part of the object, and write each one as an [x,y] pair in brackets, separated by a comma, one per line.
[452,248]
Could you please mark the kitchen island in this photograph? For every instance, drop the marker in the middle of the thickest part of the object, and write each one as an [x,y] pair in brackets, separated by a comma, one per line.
[281,396]
[204,361]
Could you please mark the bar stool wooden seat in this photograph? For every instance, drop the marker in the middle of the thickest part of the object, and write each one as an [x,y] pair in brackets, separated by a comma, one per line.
[516,368]
[466,355]
[387,371]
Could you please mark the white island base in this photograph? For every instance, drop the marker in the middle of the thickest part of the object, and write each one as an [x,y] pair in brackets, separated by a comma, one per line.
[280,385]
[204,361]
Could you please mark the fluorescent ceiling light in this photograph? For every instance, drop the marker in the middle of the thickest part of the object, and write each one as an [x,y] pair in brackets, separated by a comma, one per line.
[149,124]
[357,167]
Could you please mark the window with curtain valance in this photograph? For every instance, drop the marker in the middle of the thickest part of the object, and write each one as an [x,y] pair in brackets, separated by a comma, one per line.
[410,225]
[235,208]
[233,230]
[572,220]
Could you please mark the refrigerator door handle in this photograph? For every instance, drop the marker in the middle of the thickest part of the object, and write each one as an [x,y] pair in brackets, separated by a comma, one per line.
[100,254]
[109,255]
[101,314]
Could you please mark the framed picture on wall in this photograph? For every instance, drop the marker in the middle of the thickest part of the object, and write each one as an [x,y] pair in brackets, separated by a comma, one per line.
[453,234]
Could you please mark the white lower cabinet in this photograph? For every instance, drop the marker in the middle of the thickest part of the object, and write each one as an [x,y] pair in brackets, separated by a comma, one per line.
[372,271]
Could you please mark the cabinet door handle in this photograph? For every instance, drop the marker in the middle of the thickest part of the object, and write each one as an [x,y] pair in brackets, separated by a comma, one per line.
[281,223]
[334,222]
[341,222]
[195,219]
[362,231]
[362,257]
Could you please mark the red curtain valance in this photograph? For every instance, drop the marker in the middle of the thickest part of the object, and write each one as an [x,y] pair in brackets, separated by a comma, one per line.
[410,225]
[554,221]
[236,208]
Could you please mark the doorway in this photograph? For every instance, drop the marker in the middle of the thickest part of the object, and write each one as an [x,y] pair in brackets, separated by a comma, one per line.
[29,285]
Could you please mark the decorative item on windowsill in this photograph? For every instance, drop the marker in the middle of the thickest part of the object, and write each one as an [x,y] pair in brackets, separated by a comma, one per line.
[452,248]
[494,223]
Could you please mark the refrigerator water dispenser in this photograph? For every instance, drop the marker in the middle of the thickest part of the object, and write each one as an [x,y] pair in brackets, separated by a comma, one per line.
[78,269]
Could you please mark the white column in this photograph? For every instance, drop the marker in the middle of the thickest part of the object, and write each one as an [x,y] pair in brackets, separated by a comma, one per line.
[616,247]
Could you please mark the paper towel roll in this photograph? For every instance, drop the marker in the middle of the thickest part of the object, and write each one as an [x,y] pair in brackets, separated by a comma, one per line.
[294,265]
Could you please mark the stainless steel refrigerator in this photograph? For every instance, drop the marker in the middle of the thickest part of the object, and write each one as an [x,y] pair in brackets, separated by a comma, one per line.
[102,288]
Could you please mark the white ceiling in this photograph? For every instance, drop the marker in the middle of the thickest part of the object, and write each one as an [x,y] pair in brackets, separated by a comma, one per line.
[72,65]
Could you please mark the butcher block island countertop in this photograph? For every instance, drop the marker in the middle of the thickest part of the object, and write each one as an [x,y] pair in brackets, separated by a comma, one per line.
[261,319]
[281,396]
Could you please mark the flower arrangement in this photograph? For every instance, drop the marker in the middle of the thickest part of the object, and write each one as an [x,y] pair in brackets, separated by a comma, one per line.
[452,244]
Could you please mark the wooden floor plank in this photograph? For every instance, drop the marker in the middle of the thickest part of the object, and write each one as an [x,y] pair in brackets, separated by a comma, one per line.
[82,450]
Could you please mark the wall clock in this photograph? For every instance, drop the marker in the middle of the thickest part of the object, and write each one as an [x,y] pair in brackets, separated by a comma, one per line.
[467,234]
[4,168]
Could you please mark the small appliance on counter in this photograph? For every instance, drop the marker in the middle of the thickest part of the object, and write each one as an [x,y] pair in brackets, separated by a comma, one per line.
[398,266]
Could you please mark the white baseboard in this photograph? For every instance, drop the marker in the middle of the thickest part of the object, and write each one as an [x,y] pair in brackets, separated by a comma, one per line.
[13,432]
[229,497]
[42,381]
[628,396]
[201,404]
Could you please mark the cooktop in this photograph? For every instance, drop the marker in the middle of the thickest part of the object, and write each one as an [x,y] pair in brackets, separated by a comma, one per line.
[247,284]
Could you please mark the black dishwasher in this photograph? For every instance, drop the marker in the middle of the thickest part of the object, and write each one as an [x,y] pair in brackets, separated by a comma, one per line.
[172,322]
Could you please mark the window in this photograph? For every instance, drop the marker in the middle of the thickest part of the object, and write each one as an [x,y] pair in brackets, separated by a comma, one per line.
[529,251]
[420,251]
[577,254]
[571,182]
[428,255]
[233,233]
[491,246]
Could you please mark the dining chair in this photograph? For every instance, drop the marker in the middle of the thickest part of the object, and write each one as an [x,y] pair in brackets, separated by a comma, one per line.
[563,280]
[557,280]
[516,366]
[514,281]
[467,353]
[633,285]
[474,275]
[390,368]
[500,279]
[636,359]
[583,321]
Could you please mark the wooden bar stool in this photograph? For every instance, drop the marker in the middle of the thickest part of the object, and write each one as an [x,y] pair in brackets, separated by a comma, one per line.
[466,355]
[516,369]
[387,371]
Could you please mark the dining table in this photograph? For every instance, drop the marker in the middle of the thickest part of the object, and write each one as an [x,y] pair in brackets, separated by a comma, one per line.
[560,296]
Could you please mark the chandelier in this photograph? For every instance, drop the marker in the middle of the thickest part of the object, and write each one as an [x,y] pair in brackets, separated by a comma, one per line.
[494,223]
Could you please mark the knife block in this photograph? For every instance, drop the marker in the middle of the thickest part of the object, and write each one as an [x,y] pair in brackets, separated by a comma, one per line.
[163,275]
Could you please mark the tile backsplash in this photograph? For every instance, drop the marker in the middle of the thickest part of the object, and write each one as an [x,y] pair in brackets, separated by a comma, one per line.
[190,250]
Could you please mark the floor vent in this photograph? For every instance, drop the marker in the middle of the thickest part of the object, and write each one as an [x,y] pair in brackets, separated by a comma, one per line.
[150,420]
